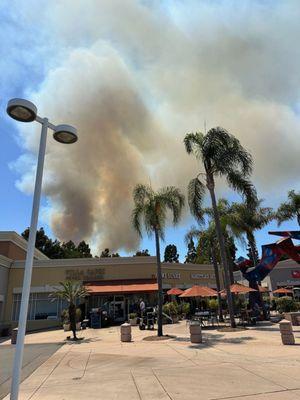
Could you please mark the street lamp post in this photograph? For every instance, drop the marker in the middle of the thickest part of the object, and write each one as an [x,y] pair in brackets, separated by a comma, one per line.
[25,111]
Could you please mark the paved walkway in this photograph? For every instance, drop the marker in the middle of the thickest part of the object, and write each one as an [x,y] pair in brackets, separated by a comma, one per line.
[250,364]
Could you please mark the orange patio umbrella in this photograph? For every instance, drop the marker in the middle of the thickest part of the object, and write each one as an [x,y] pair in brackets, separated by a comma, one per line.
[238,288]
[199,291]
[174,291]
[283,291]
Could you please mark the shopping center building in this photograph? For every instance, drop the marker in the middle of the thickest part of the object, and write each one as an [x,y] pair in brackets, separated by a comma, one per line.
[115,283]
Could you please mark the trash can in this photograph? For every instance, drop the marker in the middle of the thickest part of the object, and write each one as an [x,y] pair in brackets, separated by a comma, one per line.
[125,332]
[14,335]
[286,331]
[195,332]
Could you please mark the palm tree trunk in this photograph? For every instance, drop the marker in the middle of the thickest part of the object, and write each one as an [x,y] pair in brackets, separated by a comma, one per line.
[253,248]
[298,218]
[72,317]
[230,266]
[223,254]
[160,288]
[216,269]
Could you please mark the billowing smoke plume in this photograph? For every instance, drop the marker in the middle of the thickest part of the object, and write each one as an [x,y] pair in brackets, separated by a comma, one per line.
[134,77]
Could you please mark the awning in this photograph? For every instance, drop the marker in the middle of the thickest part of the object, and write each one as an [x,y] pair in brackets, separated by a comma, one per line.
[122,287]
[283,291]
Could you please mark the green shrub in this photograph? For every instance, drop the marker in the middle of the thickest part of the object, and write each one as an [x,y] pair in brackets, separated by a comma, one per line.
[213,304]
[171,308]
[286,304]
[132,315]
[184,308]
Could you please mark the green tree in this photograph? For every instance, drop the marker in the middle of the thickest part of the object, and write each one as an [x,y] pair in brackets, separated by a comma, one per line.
[246,219]
[191,256]
[142,253]
[70,291]
[150,210]
[171,255]
[84,249]
[105,253]
[220,155]
[289,209]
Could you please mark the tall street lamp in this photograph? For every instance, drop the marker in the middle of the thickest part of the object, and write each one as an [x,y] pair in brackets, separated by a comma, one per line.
[25,111]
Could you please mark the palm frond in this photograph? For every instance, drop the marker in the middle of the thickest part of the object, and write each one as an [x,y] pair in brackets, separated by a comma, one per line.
[192,234]
[196,191]
[238,182]
[136,218]
[172,198]
[193,143]
[141,193]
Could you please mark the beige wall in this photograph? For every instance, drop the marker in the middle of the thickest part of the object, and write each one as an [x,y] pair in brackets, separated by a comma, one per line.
[46,276]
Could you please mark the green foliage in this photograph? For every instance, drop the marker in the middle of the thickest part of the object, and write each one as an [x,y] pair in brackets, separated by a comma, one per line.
[213,305]
[184,308]
[150,208]
[239,303]
[70,291]
[55,249]
[289,209]
[132,315]
[171,255]
[106,254]
[286,304]
[142,253]
[171,308]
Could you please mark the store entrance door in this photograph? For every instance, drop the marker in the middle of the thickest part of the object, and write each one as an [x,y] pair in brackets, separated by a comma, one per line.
[117,309]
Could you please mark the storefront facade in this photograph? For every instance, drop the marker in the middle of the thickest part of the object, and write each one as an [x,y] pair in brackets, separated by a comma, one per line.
[114,283]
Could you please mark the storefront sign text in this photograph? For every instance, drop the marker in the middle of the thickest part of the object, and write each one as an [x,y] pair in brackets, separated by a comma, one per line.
[85,274]
[202,276]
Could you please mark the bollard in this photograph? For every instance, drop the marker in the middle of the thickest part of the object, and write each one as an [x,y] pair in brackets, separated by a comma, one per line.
[14,334]
[125,332]
[286,332]
[195,332]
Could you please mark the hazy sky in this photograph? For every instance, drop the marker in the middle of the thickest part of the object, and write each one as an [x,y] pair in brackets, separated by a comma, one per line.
[134,77]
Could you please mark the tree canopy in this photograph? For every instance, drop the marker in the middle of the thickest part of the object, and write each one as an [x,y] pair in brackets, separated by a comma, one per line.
[56,249]
[171,255]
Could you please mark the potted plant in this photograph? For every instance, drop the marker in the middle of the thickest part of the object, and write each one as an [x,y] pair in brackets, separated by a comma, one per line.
[132,319]
[65,320]
[70,291]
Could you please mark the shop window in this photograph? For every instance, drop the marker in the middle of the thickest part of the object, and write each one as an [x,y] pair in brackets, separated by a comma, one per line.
[40,307]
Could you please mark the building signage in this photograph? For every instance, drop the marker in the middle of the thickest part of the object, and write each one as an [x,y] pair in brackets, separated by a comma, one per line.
[202,276]
[168,275]
[85,274]
[171,275]
[289,282]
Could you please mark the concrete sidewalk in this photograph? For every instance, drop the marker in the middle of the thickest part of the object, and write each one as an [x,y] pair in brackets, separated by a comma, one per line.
[250,364]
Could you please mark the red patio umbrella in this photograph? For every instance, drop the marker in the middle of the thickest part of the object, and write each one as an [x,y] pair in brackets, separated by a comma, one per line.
[174,291]
[283,291]
[238,288]
[199,291]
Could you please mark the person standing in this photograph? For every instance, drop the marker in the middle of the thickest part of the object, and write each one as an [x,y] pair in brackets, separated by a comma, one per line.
[142,307]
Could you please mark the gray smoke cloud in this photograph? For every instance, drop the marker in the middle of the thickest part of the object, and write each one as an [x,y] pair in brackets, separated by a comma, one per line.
[134,77]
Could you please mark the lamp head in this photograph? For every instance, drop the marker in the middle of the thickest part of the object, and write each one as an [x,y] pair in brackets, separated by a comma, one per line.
[66,134]
[21,110]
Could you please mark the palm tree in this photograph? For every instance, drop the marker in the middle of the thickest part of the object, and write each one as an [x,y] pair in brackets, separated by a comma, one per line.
[221,155]
[150,208]
[244,219]
[290,209]
[70,291]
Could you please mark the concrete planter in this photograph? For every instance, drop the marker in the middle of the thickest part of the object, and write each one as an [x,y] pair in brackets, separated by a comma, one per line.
[66,327]
[133,321]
